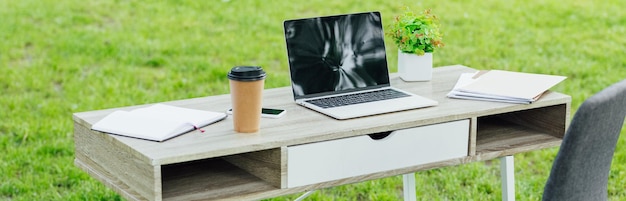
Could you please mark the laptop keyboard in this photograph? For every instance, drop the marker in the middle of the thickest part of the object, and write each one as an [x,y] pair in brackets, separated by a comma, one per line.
[352,99]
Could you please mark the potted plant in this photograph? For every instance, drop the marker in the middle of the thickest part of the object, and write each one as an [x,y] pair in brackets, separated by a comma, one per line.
[417,35]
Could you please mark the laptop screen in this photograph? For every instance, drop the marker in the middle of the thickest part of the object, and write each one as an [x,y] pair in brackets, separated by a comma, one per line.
[336,54]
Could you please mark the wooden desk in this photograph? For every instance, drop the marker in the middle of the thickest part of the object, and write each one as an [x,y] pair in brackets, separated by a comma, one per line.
[221,164]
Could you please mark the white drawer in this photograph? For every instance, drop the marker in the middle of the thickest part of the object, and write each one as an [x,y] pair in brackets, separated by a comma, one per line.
[354,156]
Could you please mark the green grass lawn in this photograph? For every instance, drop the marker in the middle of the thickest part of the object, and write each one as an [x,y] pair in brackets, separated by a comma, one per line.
[65,56]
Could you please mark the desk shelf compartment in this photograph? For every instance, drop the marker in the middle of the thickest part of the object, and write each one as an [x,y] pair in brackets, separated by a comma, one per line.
[514,132]
[128,174]
[210,179]
[258,168]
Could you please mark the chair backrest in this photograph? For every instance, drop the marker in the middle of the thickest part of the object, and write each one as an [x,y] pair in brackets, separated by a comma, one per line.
[581,168]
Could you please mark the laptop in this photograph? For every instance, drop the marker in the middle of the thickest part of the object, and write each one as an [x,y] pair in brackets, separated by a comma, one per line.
[338,67]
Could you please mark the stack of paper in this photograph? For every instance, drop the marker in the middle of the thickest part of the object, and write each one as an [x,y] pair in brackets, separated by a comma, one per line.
[503,86]
[158,122]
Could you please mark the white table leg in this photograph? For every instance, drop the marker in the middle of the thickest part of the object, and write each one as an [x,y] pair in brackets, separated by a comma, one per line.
[507,172]
[408,181]
[305,195]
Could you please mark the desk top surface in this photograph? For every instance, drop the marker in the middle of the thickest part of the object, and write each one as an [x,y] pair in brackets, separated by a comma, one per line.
[301,125]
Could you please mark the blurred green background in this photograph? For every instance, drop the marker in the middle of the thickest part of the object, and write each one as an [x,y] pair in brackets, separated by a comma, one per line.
[65,56]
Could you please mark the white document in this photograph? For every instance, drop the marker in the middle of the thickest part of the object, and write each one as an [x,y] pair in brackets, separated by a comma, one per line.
[503,86]
[158,122]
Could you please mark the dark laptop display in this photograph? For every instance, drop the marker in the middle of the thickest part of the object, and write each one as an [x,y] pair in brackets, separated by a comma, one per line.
[336,53]
[338,67]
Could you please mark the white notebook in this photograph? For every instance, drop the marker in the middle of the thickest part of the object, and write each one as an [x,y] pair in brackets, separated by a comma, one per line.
[503,86]
[158,122]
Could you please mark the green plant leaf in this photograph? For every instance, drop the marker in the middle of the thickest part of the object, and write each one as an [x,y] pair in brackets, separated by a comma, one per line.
[416,33]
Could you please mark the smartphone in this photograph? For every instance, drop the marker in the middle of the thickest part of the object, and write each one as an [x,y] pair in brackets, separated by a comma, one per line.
[267,113]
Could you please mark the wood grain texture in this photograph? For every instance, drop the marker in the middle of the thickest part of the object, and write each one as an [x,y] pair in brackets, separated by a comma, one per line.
[195,166]
[106,178]
[265,164]
[472,138]
[549,120]
[209,179]
[301,125]
[116,166]
[501,137]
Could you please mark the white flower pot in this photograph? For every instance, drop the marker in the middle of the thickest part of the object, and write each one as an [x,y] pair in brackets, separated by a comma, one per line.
[412,67]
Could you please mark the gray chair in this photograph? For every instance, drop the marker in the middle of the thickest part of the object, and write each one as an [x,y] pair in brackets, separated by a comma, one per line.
[581,168]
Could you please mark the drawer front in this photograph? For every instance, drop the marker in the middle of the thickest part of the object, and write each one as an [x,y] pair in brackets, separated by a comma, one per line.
[354,156]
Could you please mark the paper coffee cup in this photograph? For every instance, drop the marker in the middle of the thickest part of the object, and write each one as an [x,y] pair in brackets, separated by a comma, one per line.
[246,92]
